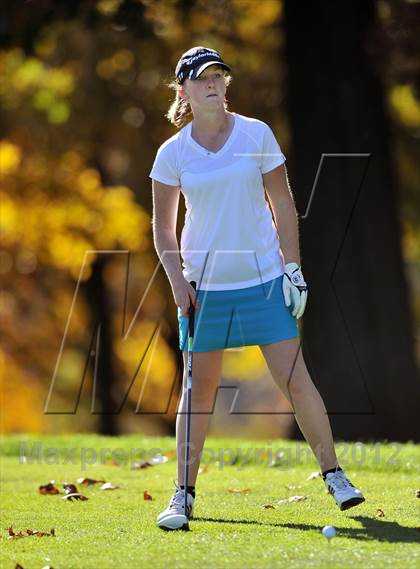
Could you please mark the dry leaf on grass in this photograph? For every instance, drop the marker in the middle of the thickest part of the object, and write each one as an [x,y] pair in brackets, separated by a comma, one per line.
[292,499]
[72,493]
[89,481]
[29,533]
[74,496]
[170,454]
[109,486]
[157,459]
[14,535]
[147,496]
[40,533]
[380,513]
[239,490]
[140,464]
[49,488]
[314,475]
[268,506]
[418,494]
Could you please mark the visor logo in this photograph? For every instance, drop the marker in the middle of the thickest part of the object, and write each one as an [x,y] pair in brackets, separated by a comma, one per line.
[200,56]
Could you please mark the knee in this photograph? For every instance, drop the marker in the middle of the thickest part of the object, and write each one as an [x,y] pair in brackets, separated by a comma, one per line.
[301,384]
[296,386]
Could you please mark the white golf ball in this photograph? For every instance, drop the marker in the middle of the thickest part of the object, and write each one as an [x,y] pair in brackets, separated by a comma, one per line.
[329,532]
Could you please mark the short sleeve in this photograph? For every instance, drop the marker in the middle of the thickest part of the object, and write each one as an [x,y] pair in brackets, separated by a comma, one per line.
[271,154]
[164,167]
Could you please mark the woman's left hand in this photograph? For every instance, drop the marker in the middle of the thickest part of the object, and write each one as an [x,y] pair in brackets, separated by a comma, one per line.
[295,290]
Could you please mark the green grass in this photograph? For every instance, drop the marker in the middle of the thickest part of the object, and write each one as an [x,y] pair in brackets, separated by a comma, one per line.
[116,529]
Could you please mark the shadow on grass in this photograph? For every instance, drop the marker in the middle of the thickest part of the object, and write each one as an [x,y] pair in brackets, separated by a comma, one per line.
[373,529]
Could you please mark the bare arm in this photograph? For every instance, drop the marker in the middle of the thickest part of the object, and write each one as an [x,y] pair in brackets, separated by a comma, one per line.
[165,212]
[280,195]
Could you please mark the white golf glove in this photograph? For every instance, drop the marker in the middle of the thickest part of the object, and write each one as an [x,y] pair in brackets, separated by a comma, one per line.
[295,290]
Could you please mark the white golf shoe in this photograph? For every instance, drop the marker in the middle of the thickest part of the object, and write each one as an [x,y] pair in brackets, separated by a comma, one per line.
[343,491]
[174,516]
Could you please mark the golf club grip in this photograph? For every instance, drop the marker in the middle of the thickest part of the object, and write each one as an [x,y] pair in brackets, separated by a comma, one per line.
[191,312]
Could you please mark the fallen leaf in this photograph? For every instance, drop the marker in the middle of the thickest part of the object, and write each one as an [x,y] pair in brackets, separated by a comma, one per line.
[314,475]
[38,533]
[49,488]
[29,533]
[292,499]
[140,464]
[268,506]
[380,513]
[108,486]
[19,566]
[72,492]
[263,454]
[170,454]
[13,535]
[418,494]
[147,496]
[238,490]
[89,481]
[70,488]
[158,459]
[75,496]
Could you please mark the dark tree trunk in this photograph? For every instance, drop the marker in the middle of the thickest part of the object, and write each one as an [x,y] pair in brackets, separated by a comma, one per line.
[97,301]
[358,339]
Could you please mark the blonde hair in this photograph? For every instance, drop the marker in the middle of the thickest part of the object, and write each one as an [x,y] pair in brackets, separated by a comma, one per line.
[180,112]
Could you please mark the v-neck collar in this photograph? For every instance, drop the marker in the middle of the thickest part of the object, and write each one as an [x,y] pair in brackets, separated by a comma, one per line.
[209,153]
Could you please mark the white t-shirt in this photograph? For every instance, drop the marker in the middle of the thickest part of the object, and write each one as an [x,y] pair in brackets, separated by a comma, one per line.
[229,239]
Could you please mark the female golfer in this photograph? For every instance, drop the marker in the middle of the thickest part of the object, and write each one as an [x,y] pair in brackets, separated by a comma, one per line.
[250,291]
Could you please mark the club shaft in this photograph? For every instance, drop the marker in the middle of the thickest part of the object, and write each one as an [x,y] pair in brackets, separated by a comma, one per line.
[188,399]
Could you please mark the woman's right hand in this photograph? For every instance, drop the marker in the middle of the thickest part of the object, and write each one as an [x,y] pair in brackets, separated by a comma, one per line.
[184,295]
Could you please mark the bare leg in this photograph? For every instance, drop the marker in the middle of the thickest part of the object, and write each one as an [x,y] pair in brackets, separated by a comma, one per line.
[288,368]
[206,369]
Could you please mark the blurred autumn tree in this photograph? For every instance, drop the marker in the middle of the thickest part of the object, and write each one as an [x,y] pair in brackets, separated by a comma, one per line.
[82,99]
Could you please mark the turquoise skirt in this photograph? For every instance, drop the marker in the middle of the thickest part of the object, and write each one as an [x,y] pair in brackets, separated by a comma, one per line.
[241,317]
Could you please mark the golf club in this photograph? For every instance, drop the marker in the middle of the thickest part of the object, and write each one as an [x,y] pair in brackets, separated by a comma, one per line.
[191,312]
